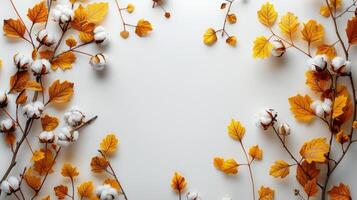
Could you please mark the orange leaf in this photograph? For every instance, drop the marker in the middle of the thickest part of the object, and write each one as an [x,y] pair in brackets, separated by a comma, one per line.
[109,144]
[255,152]
[178,182]
[38,13]
[46,54]
[85,189]
[351,30]
[70,171]
[60,92]
[33,85]
[18,81]
[113,183]
[45,165]
[328,50]
[49,123]
[10,138]
[34,182]
[21,98]
[313,32]
[315,150]
[99,164]
[14,28]
[300,106]
[311,188]
[37,155]
[341,192]
[306,172]
[318,82]
[61,191]
[64,61]
[266,193]
[143,28]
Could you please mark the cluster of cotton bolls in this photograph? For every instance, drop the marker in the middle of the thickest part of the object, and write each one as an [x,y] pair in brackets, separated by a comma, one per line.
[268,117]
[10,185]
[68,134]
[107,192]
[38,67]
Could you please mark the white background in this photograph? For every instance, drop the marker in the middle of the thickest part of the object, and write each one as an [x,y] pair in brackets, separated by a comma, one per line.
[169,98]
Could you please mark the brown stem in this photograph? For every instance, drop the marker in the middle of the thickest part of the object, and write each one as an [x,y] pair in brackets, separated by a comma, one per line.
[225,18]
[121,14]
[250,169]
[290,43]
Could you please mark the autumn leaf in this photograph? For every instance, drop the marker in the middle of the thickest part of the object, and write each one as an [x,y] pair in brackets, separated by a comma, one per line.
[113,183]
[315,150]
[109,144]
[229,166]
[33,85]
[44,165]
[34,182]
[280,168]
[255,152]
[39,13]
[348,109]
[325,11]
[318,82]
[64,61]
[14,28]
[38,155]
[300,107]
[10,139]
[351,30]
[96,12]
[218,163]
[46,54]
[210,37]
[143,28]
[328,50]
[341,192]
[266,193]
[311,188]
[306,172]
[267,14]
[80,18]
[262,47]
[68,170]
[49,123]
[231,40]
[178,182]
[71,42]
[338,106]
[86,189]
[60,92]
[313,32]
[232,18]
[341,137]
[99,164]
[46,198]
[236,130]
[21,98]
[289,24]
[61,191]
[18,81]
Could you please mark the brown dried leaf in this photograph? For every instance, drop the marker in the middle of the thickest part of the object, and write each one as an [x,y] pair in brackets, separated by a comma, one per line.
[14,28]
[99,164]
[49,123]
[60,92]
[39,13]
[64,61]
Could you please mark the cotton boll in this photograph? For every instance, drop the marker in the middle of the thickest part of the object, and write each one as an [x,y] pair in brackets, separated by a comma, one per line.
[22,61]
[66,136]
[193,196]
[318,63]
[33,109]
[266,118]
[100,35]
[10,185]
[62,14]
[339,65]
[278,49]
[45,38]
[47,137]
[41,67]
[7,126]
[106,192]
[321,108]
[98,62]
[284,129]
[74,117]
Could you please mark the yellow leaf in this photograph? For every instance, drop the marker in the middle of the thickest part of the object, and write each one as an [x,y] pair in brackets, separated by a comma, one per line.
[313,32]
[255,152]
[86,37]
[232,18]
[267,14]
[44,165]
[143,28]
[218,163]
[178,182]
[61,191]
[99,164]
[351,30]
[38,155]
[14,28]
[325,11]
[96,12]
[341,192]
[71,42]
[39,13]
[338,106]
[60,92]
[262,47]
[231,40]
[109,144]
[230,166]
[266,193]
[289,24]
[328,50]
[85,190]
[300,107]
[64,61]
[130,8]
[318,82]
[21,98]
[280,168]
[236,130]
[33,85]
[335,3]
[315,150]
[68,170]
[354,125]
[49,123]
[311,188]
[210,37]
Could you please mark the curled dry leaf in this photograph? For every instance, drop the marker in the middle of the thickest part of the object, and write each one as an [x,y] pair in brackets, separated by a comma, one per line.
[229,166]
[210,37]
[351,30]
[18,81]
[143,28]
[34,182]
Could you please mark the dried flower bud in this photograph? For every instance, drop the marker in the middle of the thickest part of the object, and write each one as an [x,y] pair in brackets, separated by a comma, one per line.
[130,8]
[318,63]
[3,99]
[106,192]
[47,137]
[33,109]
[22,61]
[267,118]
[322,108]
[7,126]
[98,61]
[296,192]
[66,136]
[167,15]
[278,49]
[340,66]
[41,67]
[284,129]
[124,34]
[62,14]
[74,117]
[192,196]
[100,35]
[10,185]
[45,38]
